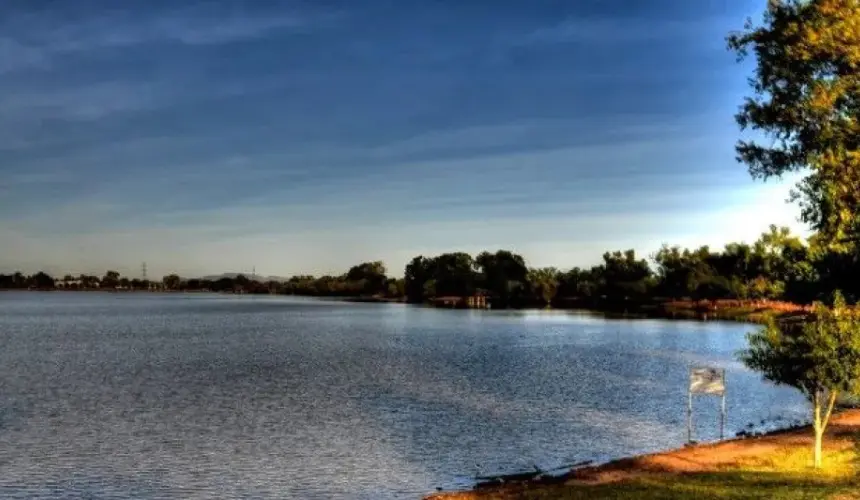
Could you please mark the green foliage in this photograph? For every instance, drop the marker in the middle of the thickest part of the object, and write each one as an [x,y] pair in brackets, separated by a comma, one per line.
[429,288]
[820,356]
[395,289]
[371,275]
[503,274]
[623,275]
[171,282]
[42,281]
[806,101]
[454,274]
[815,355]
[544,283]
[778,265]
[110,280]
[786,478]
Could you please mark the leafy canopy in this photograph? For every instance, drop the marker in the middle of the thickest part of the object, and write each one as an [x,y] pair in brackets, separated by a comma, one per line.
[806,102]
[818,355]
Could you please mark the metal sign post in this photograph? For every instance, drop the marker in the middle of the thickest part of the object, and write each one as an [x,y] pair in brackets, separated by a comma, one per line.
[710,382]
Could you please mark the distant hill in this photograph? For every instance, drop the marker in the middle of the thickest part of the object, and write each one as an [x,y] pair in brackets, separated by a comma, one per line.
[216,277]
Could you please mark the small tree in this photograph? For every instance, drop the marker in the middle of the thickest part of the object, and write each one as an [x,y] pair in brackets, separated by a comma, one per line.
[819,356]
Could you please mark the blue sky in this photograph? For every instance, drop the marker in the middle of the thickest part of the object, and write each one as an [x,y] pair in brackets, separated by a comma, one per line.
[296,137]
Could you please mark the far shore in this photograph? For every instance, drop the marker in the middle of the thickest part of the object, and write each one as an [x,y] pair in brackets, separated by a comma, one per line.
[745,311]
[774,465]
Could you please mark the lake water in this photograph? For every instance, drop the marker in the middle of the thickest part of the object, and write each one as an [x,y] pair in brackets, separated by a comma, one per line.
[202,396]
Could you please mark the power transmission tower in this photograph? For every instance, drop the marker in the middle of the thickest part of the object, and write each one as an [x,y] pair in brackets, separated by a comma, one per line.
[143,271]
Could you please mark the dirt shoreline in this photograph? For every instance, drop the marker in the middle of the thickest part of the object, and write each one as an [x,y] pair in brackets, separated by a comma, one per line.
[842,433]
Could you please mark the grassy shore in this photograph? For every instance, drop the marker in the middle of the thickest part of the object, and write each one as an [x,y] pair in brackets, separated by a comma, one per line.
[751,311]
[775,466]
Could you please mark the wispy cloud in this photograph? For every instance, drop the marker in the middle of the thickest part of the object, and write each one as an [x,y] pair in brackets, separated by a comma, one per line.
[35,39]
[86,102]
[210,129]
[608,31]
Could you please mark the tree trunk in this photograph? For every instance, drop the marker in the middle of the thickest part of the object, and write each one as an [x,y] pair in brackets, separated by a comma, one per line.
[817,429]
[821,421]
[819,433]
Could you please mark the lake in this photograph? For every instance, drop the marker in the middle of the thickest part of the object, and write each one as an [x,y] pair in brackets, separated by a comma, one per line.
[207,396]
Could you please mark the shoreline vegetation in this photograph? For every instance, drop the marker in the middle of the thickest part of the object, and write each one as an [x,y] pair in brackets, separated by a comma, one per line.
[780,274]
[772,465]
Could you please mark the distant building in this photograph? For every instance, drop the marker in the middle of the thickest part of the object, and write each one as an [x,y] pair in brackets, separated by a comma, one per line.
[477,301]
[474,301]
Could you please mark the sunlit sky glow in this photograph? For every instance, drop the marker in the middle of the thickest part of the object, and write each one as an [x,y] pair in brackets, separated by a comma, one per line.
[307,136]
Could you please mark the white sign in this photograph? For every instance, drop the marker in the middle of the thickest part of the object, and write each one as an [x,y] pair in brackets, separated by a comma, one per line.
[708,381]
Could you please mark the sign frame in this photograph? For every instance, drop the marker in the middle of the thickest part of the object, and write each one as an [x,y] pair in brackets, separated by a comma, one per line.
[706,381]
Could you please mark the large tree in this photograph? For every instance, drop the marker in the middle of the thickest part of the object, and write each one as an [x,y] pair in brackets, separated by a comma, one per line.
[819,356]
[806,103]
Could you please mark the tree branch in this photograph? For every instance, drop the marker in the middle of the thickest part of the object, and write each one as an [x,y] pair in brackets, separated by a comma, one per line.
[831,402]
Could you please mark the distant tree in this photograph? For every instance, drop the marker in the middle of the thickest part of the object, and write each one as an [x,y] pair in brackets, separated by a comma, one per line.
[674,268]
[820,357]
[429,288]
[125,282]
[395,288]
[503,274]
[764,288]
[89,282]
[578,283]
[42,281]
[171,282]
[713,287]
[273,286]
[110,279]
[544,283]
[806,93]
[624,275]
[13,281]
[224,284]
[418,272]
[454,274]
[371,275]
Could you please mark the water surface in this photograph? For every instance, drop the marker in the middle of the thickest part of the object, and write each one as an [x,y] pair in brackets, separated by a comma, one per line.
[203,396]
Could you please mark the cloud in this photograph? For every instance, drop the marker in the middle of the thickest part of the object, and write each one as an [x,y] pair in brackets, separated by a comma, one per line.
[614,31]
[86,102]
[35,178]
[292,191]
[35,40]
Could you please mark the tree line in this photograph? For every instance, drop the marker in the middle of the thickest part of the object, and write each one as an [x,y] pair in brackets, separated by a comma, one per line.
[366,279]
[777,266]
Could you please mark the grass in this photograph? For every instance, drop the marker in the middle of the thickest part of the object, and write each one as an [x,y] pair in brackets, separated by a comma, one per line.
[784,476]
[745,313]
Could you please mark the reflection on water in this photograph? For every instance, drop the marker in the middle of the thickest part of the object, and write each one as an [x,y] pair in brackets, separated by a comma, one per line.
[170,396]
